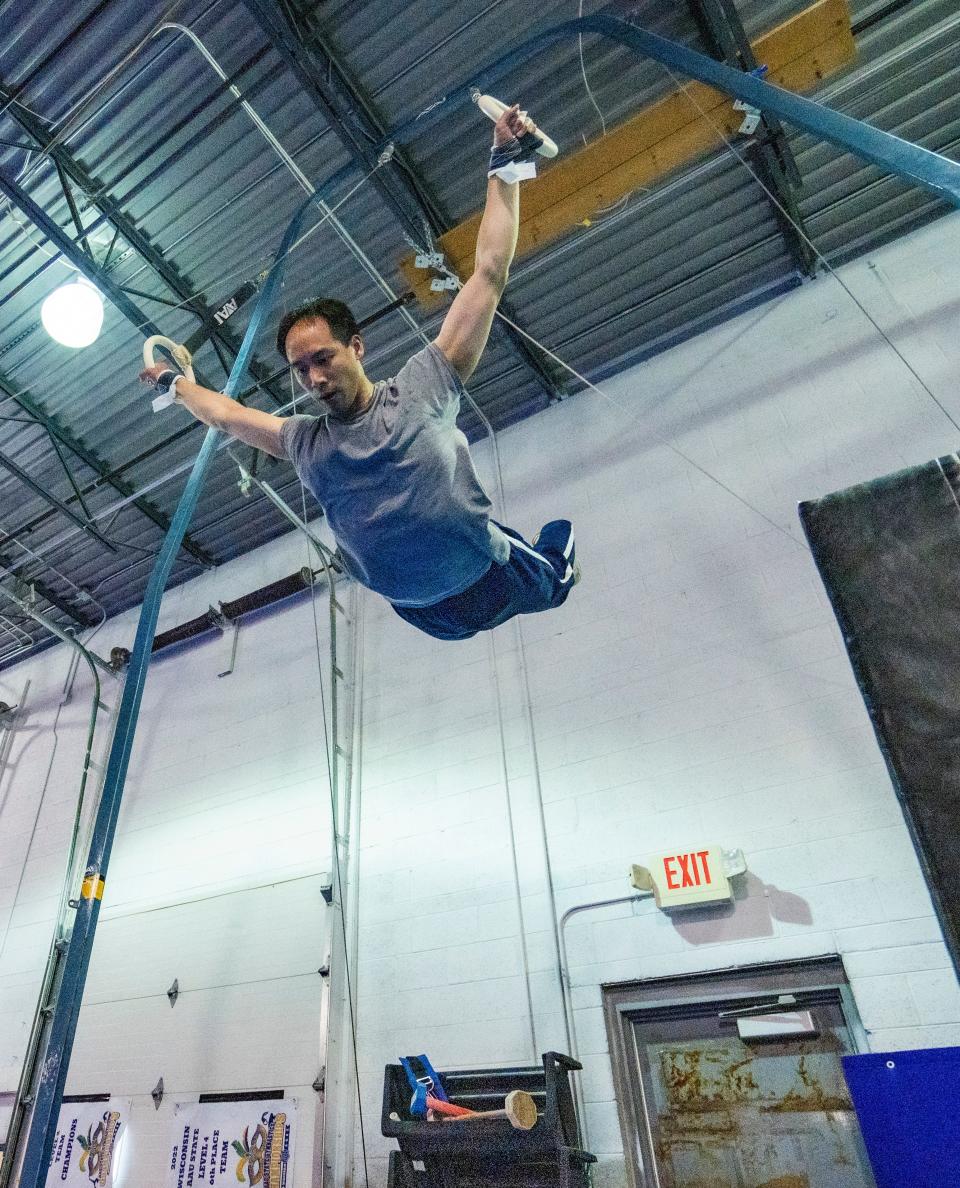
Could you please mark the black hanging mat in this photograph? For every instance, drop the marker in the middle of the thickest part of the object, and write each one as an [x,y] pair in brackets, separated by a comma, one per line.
[888,552]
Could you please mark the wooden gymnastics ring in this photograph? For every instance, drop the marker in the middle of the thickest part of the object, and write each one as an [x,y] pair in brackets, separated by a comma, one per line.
[494,109]
[181,355]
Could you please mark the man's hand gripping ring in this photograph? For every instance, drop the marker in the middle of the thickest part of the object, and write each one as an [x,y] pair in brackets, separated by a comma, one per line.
[181,356]
[494,109]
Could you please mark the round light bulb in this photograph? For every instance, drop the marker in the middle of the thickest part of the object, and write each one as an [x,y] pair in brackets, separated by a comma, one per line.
[73,314]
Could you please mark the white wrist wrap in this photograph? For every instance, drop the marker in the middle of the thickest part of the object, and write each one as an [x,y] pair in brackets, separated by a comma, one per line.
[165,399]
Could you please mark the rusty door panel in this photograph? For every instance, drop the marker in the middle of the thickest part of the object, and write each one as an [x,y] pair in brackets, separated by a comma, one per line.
[725,1113]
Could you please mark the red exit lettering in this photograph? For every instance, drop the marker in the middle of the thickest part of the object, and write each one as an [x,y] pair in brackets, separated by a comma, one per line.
[687,870]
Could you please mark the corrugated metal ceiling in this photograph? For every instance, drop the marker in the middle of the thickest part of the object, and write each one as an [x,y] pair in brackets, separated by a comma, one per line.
[163,142]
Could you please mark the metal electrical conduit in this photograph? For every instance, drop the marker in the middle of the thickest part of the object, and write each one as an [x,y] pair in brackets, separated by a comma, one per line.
[344,822]
[571,1026]
[927,169]
[299,176]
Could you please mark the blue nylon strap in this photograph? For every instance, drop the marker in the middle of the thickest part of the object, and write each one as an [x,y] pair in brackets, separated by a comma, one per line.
[63,1023]
[423,1079]
[927,169]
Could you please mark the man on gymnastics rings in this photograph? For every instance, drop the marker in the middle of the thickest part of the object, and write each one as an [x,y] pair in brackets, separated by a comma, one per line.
[386,460]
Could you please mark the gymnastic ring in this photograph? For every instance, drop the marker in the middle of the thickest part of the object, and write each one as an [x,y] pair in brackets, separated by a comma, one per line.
[181,355]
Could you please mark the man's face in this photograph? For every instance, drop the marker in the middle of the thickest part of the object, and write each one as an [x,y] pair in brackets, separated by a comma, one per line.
[330,370]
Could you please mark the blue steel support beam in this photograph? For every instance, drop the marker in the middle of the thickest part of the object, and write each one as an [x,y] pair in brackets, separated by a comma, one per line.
[929,170]
[926,169]
[769,153]
[63,1023]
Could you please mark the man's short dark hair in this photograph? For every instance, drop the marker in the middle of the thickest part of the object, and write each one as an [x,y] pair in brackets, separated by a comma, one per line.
[339,317]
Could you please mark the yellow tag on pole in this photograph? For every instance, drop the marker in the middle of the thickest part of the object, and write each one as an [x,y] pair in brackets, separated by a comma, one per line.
[92,887]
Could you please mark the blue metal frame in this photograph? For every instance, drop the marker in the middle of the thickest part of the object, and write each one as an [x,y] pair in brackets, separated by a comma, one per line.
[49,1090]
[919,165]
[927,169]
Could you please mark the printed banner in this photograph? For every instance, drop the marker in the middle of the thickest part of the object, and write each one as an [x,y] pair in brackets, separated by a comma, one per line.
[87,1143]
[231,1142]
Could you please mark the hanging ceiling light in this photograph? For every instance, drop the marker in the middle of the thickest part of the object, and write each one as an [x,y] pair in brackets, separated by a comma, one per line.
[73,314]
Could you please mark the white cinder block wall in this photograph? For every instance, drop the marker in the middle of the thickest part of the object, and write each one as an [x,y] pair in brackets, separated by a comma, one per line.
[694,689]
[222,848]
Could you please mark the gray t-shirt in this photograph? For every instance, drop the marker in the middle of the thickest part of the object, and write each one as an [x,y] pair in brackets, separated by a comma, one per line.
[398,486]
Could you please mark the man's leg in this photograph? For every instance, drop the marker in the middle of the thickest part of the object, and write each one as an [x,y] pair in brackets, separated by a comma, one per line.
[534,579]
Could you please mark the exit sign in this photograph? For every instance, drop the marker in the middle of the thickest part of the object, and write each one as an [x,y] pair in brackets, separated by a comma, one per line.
[686,878]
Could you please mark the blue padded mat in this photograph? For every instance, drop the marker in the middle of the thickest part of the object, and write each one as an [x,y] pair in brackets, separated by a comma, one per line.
[908,1104]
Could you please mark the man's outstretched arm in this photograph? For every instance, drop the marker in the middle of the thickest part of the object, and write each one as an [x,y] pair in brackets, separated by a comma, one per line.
[249,425]
[466,327]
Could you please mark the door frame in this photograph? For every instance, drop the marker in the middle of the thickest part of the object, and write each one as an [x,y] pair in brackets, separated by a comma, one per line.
[623,1001]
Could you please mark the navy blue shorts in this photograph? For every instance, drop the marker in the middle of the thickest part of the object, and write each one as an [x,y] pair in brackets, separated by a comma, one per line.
[533,579]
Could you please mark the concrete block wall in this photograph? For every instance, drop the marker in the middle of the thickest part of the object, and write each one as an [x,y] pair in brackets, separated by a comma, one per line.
[693,690]
[222,851]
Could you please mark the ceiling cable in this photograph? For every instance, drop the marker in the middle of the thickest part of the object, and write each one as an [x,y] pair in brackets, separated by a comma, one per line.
[801,232]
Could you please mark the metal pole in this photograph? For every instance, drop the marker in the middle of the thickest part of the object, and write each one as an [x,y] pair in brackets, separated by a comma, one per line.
[63,1022]
[929,170]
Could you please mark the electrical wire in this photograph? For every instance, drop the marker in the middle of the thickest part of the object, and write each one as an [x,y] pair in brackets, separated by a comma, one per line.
[586,81]
[801,232]
[333,781]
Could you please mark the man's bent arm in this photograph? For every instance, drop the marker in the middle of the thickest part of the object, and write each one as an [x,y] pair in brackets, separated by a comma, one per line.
[249,425]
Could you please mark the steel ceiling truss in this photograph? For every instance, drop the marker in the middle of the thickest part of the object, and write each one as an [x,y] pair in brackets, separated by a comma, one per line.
[66,607]
[360,131]
[82,521]
[79,253]
[105,476]
[770,154]
[85,264]
[100,197]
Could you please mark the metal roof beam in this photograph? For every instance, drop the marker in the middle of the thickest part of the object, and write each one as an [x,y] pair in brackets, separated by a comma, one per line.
[104,475]
[727,40]
[21,475]
[358,129]
[98,196]
[47,593]
[74,213]
[76,255]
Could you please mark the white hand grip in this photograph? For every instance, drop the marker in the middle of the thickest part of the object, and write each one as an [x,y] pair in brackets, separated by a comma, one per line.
[494,109]
[181,355]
